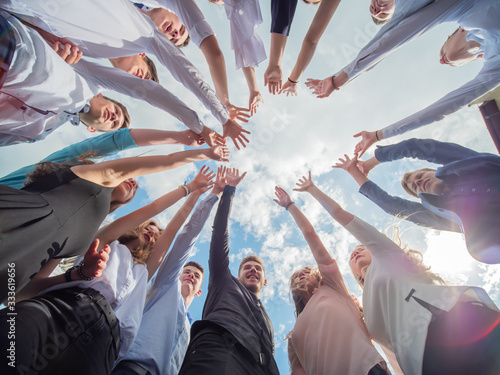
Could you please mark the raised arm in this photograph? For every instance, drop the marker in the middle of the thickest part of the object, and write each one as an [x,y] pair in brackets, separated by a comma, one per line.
[333,208]
[273,76]
[218,261]
[171,267]
[317,248]
[399,207]
[112,173]
[114,230]
[255,97]
[324,14]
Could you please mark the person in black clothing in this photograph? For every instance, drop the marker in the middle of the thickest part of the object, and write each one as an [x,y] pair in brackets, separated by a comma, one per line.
[235,335]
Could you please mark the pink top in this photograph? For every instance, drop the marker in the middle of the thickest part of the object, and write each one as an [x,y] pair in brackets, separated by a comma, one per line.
[329,336]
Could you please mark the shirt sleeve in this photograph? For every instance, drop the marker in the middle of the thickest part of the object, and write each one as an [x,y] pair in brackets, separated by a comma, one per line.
[424,149]
[282,13]
[486,80]
[370,237]
[295,366]
[391,37]
[218,262]
[406,209]
[185,72]
[104,145]
[151,92]
[172,266]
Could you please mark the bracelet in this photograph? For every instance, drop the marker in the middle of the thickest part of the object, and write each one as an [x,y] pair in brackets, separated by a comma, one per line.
[294,82]
[67,274]
[331,83]
[80,266]
[288,205]
[186,188]
[376,135]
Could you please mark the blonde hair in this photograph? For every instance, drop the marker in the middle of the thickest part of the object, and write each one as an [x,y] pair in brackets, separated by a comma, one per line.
[406,177]
[416,259]
[143,251]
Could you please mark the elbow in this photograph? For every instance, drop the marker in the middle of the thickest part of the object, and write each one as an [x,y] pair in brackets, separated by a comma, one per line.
[310,43]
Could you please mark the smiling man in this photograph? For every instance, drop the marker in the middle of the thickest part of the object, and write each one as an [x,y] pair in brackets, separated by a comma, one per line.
[235,335]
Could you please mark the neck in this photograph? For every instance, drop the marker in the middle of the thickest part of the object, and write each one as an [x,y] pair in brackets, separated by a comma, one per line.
[188,298]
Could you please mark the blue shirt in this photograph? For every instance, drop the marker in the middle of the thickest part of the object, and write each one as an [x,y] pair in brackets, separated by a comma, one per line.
[473,196]
[104,145]
[163,336]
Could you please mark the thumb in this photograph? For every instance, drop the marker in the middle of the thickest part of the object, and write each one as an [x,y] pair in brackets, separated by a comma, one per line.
[357,135]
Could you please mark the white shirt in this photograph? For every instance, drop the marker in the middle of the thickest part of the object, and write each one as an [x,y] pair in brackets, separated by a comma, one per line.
[245,17]
[393,316]
[33,100]
[189,14]
[115,28]
[123,283]
[483,22]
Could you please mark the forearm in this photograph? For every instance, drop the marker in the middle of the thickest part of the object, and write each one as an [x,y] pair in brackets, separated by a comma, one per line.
[358,176]
[112,173]
[165,240]
[278,43]
[317,248]
[333,208]
[251,79]
[150,137]
[216,63]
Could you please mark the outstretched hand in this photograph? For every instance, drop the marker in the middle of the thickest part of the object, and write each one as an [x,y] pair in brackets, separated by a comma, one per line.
[273,78]
[305,183]
[367,139]
[321,87]
[233,177]
[220,181]
[211,137]
[236,133]
[238,113]
[219,153]
[289,88]
[347,164]
[94,262]
[283,197]
[203,180]
[254,101]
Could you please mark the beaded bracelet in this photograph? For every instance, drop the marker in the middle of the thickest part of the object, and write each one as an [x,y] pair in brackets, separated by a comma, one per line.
[80,273]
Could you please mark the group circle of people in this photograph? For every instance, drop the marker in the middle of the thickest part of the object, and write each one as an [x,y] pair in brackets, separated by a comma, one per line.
[121,305]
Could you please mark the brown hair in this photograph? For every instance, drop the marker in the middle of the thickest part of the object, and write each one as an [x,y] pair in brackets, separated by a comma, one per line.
[195,265]
[47,167]
[379,22]
[404,180]
[185,43]
[142,252]
[152,69]
[250,258]
[296,287]
[126,116]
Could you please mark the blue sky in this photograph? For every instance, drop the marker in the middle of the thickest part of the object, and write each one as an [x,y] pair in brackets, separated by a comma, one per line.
[291,135]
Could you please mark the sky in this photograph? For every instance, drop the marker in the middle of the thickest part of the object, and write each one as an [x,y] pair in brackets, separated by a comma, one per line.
[292,135]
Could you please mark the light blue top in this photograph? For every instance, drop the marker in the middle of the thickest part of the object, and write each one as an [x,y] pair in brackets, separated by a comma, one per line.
[163,336]
[104,145]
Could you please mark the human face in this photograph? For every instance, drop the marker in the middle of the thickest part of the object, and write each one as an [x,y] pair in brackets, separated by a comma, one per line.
[168,23]
[382,9]
[149,234]
[104,115]
[251,276]
[191,279]
[457,50]
[360,258]
[124,192]
[425,182]
[306,277]
[134,65]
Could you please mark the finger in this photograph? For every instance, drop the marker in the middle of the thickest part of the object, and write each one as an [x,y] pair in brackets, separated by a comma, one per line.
[362,152]
[236,144]
[357,135]
[241,118]
[240,140]
[309,175]
[79,55]
[245,138]
[57,46]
